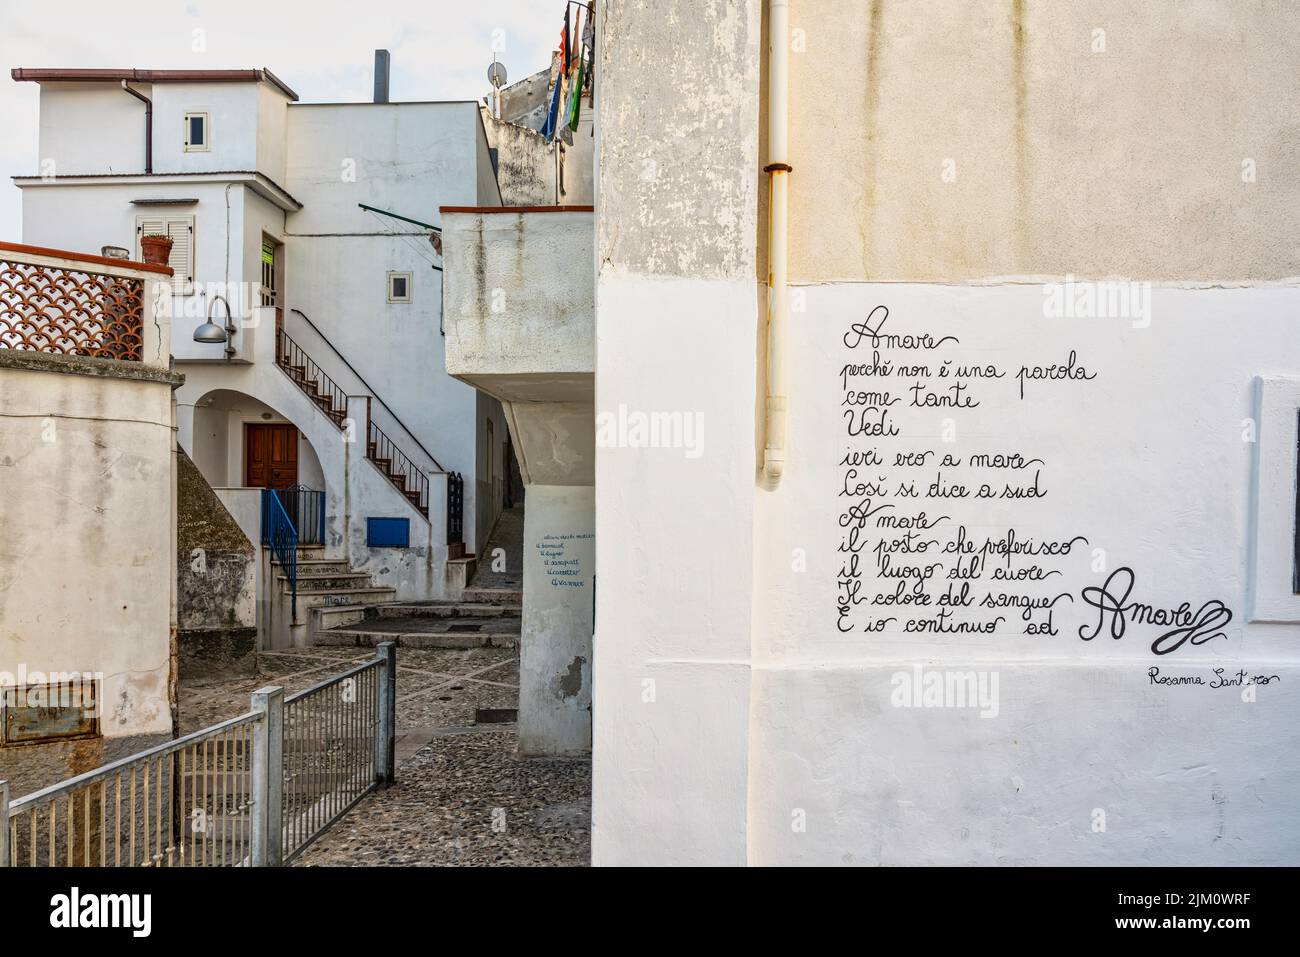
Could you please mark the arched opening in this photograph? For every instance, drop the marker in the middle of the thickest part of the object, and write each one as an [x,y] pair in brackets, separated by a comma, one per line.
[241,442]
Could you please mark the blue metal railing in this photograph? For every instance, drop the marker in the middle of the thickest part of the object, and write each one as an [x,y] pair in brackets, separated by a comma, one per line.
[306,509]
[280,535]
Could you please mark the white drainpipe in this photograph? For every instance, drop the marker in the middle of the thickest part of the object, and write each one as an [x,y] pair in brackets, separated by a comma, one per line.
[778,214]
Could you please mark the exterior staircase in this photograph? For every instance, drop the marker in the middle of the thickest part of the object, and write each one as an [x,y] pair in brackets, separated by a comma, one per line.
[327,587]
[312,388]
[326,395]
[481,619]
[489,613]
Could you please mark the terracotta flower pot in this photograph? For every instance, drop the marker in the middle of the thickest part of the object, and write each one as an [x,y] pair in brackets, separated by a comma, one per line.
[156,249]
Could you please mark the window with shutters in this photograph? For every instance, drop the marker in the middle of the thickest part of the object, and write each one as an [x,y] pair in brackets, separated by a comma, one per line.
[181,230]
[270,294]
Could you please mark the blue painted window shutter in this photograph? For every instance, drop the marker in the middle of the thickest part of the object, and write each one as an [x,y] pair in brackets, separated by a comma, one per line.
[388,532]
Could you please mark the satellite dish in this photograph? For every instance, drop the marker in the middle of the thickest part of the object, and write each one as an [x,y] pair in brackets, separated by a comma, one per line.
[497,75]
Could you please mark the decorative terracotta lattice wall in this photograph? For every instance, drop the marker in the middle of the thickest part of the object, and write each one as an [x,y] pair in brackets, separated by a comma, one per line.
[51,309]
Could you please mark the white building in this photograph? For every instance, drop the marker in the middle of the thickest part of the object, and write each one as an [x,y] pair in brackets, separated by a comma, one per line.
[969,167]
[332,376]
[945,425]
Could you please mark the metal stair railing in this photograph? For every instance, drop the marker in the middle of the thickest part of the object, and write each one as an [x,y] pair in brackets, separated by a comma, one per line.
[411,481]
[306,509]
[375,395]
[290,357]
[279,534]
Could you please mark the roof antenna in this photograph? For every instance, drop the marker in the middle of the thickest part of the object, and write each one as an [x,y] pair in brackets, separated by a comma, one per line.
[497,77]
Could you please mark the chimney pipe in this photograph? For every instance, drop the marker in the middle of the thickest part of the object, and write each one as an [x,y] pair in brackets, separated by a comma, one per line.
[381,76]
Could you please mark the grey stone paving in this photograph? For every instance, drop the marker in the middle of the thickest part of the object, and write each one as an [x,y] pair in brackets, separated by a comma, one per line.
[467,799]
[462,795]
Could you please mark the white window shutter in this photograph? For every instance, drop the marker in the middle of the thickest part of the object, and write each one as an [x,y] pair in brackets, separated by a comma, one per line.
[146,226]
[182,256]
[181,231]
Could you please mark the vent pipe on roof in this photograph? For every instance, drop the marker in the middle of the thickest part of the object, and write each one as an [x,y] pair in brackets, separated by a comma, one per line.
[381,76]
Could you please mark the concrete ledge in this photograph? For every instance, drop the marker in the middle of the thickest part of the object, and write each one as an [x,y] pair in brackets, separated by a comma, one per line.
[87,366]
[460,572]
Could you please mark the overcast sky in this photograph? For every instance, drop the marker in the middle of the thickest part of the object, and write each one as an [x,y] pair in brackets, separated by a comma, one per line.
[323,49]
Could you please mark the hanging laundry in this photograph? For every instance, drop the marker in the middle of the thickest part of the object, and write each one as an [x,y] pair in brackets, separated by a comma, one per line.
[589,44]
[577,39]
[564,42]
[583,84]
[561,106]
[552,123]
[575,106]
[575,82]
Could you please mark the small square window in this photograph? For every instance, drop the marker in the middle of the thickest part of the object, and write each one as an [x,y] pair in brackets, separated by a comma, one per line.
[399,287]
[196,132]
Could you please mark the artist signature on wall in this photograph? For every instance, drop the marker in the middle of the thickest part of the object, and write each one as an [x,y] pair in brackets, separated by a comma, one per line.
[1184,625]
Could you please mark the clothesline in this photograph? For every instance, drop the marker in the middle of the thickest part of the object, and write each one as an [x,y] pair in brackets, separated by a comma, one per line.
[574,75]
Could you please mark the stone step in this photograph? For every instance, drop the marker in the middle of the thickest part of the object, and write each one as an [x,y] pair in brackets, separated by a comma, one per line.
[326,582]
[310,598]
[492,596]
[320,566]
[426,633]
[444,609]
[324,617]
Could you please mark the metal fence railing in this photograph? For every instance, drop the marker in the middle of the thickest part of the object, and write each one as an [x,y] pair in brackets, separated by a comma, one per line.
[306,510]
[280,535]
[252,791]
[311,378]
[333,733]
[455,508]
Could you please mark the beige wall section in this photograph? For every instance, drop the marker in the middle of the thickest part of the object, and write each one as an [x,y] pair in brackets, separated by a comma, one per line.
[677,206]
[86,558]
[1124,162]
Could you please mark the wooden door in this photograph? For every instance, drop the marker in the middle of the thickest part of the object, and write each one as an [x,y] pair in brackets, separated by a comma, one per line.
[270,456]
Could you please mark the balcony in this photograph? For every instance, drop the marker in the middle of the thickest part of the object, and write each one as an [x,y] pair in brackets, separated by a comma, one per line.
[518,311]
[73,304]
[518,294]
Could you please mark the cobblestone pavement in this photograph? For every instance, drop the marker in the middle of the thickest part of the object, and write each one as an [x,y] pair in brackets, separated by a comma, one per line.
[462,795]
[467,799]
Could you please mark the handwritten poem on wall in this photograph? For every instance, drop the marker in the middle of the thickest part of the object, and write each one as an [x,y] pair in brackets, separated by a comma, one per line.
[916,552]
[563,568]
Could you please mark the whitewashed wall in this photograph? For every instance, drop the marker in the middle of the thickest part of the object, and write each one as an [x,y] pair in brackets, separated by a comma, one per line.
[87,566]
[555,645]
[85,218]
[407,158]
[68,110]
[232,110]
[734,721]
[1077,755]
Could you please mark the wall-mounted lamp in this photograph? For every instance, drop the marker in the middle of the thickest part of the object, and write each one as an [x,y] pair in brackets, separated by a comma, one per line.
[211,332]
